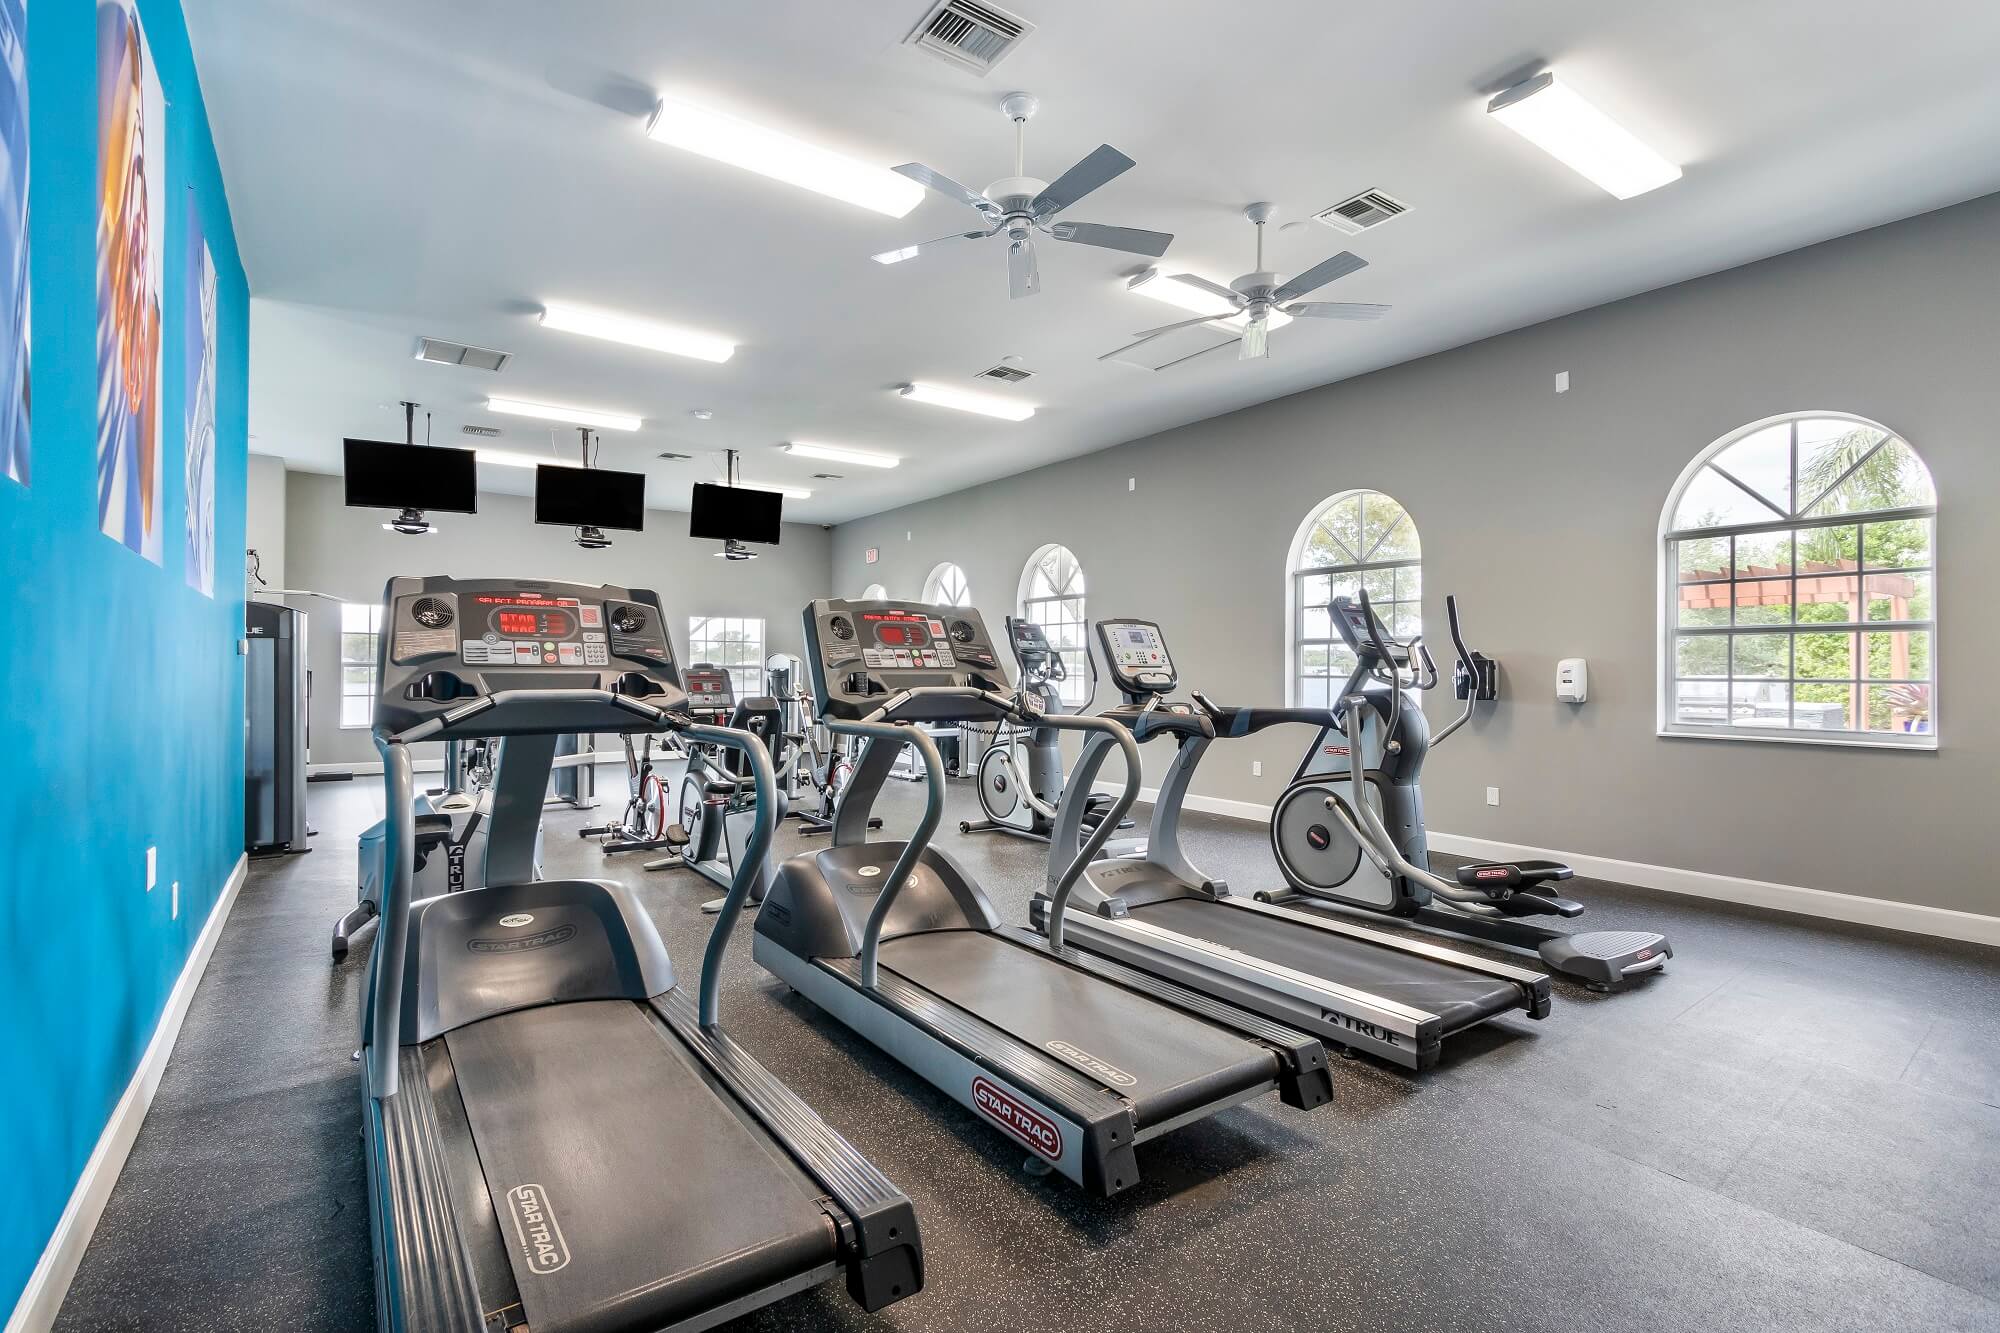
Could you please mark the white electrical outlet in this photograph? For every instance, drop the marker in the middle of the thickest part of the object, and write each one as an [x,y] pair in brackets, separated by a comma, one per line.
[1562,381]
[1256,768]
[177,900]
[1131,483]
[909,536]
[152,868]
[1492,796]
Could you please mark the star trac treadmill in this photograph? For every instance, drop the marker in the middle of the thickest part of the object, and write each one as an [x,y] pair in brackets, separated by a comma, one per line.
[1076,1059]
[558,1134]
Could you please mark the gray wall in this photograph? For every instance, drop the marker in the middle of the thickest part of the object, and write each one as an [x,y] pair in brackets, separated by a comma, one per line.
[264,520]
[345,552]
[1541,511]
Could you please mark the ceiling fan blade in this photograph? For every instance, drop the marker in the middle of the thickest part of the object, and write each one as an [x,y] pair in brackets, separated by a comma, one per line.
[902,253]
[1024,277]
[1228,294]
[1181,324]
[1104,163]
[1336,310]
[1256,340]
[1319,275]
[944,185]
[1132,240]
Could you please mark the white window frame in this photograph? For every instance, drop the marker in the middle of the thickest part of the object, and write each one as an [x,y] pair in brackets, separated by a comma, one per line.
[1668,585]
[1066,603]
[1296,574]
[369,620]
[746,676]
[948,586]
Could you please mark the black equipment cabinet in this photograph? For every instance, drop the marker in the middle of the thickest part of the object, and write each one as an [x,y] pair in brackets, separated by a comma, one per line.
[274,730]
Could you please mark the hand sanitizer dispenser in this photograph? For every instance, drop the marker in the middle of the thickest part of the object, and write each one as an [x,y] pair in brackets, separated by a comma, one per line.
[1572,680]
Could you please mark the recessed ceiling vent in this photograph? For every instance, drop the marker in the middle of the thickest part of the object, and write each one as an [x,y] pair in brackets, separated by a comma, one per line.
[1005,374]
[1371,208]
[973,36]
[458,354]
[483,432]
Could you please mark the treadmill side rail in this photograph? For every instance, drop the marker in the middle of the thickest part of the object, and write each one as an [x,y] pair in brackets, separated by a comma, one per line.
[423,1271]
[880,1240]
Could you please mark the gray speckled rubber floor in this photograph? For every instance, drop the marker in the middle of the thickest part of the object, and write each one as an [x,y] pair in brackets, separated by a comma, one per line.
[1796,1127]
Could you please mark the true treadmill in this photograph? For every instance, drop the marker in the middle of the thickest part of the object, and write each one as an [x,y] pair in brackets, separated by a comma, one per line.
[559,1136]
[1354,988]
[1075,1058]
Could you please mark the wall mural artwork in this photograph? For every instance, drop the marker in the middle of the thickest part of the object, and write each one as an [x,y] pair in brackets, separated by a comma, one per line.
[131,246]
[15,455]
[198,337]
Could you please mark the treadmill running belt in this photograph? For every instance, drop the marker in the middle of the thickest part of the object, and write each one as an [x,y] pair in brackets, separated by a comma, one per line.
[630,1195]
[1459,998]
[1164,1062]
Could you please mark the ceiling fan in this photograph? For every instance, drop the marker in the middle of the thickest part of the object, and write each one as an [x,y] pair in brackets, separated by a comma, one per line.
[1254,296]
[1021,205]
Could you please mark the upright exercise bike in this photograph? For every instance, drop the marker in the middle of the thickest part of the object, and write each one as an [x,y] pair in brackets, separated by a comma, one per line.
[455,845]
[1021,773]
[1365,847]
[717,802]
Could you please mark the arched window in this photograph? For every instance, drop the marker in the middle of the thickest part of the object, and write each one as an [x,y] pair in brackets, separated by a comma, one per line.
[874,592]
[947,586]
[1352,541]
[1798,582]
[1052,597]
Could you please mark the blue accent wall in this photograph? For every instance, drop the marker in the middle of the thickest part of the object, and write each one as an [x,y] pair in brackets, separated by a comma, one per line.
[121,694]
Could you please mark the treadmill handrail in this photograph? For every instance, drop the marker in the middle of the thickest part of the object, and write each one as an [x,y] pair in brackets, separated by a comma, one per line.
[748,866]
[1013,707]
[898,734]
[1106,826]
[432,727]
[383,1012]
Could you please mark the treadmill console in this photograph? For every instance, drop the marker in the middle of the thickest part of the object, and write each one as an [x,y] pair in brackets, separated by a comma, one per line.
[1137,654]
[859,653]
[447,641]
[1354,626]
[711,692]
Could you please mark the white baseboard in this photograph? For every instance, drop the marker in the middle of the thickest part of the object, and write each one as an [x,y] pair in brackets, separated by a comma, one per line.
[1917,919]
[373,768]
[49,1283]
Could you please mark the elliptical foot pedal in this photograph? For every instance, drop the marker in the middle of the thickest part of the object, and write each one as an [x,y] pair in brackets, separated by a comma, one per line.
[1603,958]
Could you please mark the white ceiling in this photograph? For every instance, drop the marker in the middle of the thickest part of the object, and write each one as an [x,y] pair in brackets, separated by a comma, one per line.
[442,168]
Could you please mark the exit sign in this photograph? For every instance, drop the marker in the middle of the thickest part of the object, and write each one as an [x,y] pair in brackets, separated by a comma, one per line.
[872,554]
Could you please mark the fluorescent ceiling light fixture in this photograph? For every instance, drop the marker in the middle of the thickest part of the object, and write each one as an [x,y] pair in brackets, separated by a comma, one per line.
[781,157]
[897,256]
[1556,120]
[576,416]
[510,458]
[937,395]
[636,332]
[789,492]
[1186,296]
[834,453]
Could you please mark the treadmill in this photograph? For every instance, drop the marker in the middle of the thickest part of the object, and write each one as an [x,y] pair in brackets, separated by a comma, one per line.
[1076,1059]
[559,1136]
[1355,988]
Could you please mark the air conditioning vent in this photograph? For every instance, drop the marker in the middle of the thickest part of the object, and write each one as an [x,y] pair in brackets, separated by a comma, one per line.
[1371,208]
[483,432]
[1005,374]
[443,353]
[431,612]
[970,35]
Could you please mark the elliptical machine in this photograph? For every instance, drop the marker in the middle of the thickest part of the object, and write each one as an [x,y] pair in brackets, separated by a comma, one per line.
[1334,846]
[1021,773]
[717,799]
